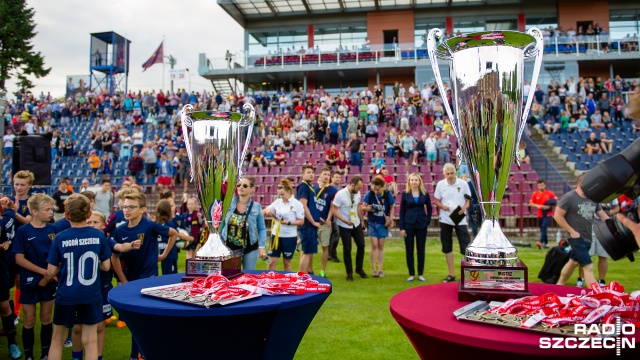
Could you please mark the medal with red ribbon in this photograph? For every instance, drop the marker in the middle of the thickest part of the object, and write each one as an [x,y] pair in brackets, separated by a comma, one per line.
[602,304]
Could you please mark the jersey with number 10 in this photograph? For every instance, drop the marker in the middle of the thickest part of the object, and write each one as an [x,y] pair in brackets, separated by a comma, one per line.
[78,252]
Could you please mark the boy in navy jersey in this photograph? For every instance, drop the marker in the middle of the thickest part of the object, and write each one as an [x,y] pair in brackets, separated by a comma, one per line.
[324,196]
[76,254]
[22,182]
[7,232]
[308,232]
[164,209]
[117,217]
[142,263]
[31,247]
[96,221]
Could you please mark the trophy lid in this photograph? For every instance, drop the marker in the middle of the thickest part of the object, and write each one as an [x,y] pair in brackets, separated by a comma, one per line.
[514,39]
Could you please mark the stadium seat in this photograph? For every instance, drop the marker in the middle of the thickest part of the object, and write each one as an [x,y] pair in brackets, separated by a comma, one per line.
[582,166]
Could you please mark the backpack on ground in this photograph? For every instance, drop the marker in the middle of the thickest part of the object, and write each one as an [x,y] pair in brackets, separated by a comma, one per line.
[554,261]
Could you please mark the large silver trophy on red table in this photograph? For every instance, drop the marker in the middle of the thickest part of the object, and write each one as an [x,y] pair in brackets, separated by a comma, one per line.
[216,144]
[488,119]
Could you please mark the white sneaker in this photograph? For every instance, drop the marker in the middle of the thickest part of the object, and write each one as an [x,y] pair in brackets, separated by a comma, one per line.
[414,163]
[580,282]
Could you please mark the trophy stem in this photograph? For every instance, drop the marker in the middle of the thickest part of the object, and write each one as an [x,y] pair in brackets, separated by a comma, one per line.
[491,246]
[214,248]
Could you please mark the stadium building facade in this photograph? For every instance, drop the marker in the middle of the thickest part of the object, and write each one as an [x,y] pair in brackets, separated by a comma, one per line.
[358,43]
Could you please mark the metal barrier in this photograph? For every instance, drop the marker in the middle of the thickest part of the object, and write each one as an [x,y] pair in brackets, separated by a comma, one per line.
[546,170]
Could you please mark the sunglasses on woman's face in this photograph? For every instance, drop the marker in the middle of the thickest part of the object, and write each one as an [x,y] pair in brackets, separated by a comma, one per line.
[243,186]
[280,186]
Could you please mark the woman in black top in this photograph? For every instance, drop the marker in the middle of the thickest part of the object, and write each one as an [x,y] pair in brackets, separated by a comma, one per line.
[414,222]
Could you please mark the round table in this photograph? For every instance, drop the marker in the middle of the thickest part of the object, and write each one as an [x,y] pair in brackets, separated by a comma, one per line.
[425,313]
[267,327]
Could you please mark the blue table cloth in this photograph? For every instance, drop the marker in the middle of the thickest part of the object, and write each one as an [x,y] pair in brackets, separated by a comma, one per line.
[267,327]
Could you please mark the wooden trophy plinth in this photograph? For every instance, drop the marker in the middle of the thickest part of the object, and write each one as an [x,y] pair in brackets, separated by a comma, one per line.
[493,282]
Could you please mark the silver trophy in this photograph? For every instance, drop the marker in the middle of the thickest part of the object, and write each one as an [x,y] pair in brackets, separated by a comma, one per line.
[216,143]
[488,119]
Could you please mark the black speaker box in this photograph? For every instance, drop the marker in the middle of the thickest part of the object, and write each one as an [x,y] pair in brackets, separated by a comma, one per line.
[33,153]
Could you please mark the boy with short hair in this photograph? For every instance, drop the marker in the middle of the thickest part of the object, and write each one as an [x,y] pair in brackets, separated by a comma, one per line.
[31,247]
[79,298]
[22,181]
[142,263]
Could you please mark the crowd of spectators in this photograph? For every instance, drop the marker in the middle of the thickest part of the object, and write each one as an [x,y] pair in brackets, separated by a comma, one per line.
[409,123]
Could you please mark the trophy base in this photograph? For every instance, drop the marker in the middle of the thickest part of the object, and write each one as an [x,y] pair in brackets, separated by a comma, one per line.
[493,283]
[229,268]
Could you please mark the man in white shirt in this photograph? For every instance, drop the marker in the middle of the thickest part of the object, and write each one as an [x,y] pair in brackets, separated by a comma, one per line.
[8,144]
[449,194]
[373,110]
[137,138]
[30,127]
[347,211]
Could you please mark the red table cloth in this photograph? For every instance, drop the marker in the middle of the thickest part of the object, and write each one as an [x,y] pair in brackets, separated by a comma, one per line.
[425,313]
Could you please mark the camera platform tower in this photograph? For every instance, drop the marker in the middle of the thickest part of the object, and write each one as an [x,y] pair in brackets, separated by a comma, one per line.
[109,62]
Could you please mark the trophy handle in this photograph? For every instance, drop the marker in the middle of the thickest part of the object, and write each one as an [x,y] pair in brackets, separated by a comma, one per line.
[187,123]
[248,120]
[529,51]
[432,50]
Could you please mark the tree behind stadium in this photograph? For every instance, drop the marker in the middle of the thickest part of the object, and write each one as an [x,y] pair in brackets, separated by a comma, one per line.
[17,56]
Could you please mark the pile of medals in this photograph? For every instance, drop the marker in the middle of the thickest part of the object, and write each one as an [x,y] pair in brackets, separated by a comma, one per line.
[216,289]
[558,314]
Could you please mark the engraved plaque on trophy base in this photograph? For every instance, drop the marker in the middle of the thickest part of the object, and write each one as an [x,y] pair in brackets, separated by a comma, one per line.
[493,282]
[229,268]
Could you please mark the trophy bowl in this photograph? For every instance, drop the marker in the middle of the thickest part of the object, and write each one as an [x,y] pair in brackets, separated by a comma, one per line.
[216,143]
[488,115]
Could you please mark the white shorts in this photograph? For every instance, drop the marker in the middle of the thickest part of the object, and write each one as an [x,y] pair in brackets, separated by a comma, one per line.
[597,249]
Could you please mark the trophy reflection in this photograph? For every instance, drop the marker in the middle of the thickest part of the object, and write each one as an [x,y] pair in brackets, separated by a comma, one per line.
[488,119]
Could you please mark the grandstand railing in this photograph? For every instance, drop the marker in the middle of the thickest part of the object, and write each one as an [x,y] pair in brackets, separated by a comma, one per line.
[546,170]
[577,45]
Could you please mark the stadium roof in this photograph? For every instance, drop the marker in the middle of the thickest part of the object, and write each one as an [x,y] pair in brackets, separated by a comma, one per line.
[242,10]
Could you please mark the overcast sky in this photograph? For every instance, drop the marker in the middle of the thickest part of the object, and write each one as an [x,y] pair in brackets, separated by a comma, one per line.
[189,27]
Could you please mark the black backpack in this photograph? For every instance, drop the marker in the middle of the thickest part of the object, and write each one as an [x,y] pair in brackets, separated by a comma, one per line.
[554,261]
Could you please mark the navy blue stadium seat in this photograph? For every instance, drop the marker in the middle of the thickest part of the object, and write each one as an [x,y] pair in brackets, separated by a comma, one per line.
[582,166]
[573,158]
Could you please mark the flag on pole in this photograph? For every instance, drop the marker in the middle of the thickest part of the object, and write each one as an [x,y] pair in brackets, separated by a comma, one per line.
[156,58]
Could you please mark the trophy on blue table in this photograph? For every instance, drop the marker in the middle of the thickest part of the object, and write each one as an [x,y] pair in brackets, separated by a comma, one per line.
[216,143]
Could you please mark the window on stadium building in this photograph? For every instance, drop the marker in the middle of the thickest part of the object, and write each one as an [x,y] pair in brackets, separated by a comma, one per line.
[332,37]
[422,28]
[465,26]
[492,25]
[262,43]
[624,25]
[541,22]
